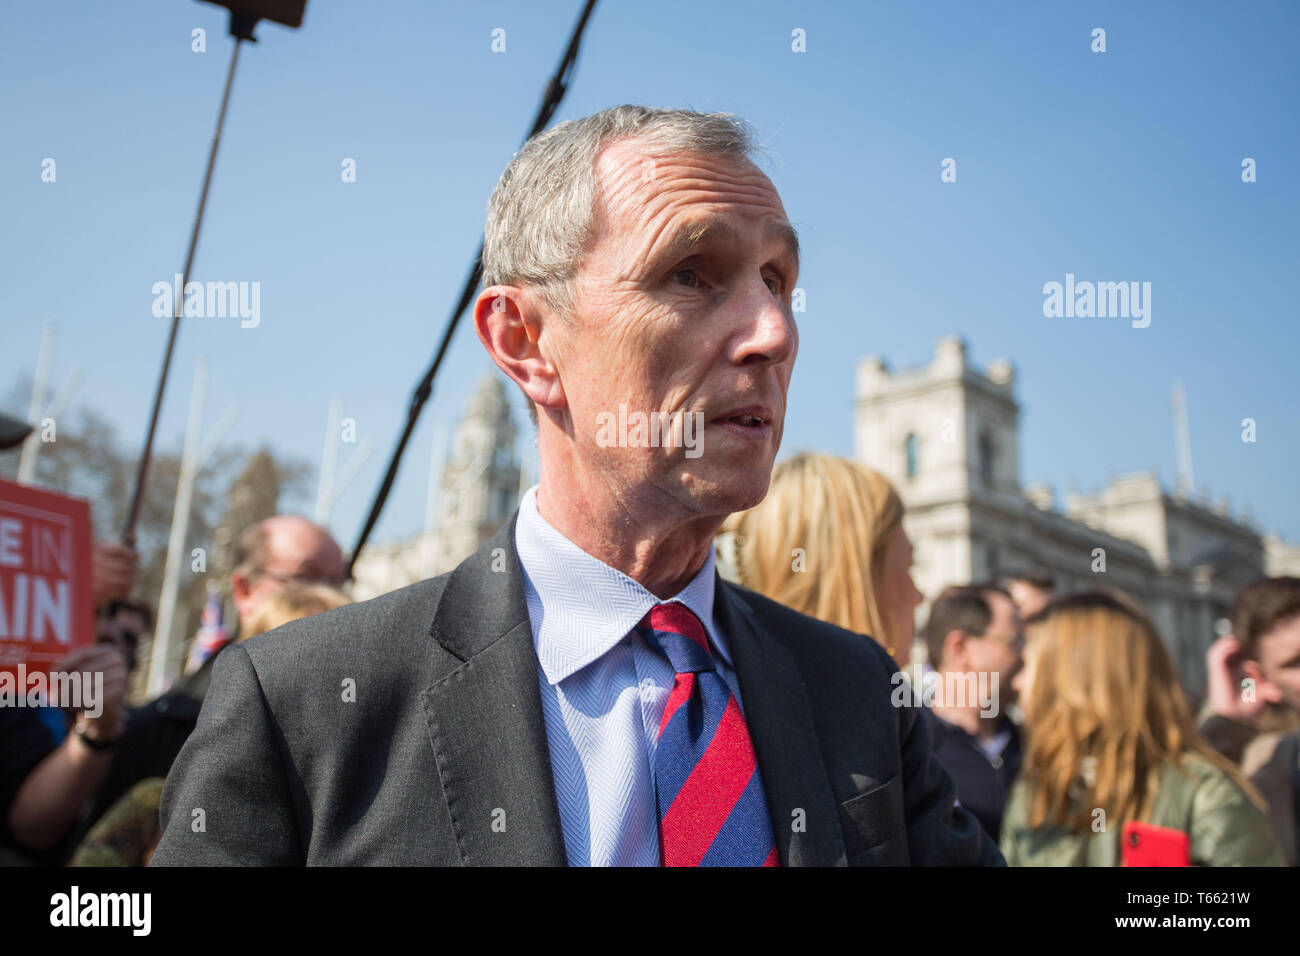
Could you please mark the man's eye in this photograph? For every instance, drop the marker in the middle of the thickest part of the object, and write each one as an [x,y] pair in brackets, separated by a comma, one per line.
[773,283]
[693,279]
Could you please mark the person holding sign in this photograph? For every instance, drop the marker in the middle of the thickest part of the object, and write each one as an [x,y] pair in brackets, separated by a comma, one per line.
[45,782]
[43,787]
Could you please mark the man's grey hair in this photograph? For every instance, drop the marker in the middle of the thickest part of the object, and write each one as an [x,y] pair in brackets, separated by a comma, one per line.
[540,216]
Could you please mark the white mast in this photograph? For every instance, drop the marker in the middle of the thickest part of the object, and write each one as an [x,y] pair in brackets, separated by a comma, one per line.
[329,461]
[192,458]
[1183,440]
[35,411]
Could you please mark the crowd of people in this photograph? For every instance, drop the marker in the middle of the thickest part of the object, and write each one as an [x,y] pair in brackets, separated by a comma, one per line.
[84,790]
[602,683]
[1085,747]
[1089,742]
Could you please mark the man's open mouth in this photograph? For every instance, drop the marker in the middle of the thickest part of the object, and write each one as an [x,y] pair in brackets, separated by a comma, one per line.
[756,419]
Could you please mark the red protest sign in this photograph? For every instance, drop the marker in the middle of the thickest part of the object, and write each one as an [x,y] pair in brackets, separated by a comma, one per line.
[46,600]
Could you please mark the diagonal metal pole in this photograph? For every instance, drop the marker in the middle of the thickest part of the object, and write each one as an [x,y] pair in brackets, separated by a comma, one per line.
[556,87]
[137,497]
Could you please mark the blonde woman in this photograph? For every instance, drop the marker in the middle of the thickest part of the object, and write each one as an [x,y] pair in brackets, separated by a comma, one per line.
[295,600]
[828,541]
[1110,741]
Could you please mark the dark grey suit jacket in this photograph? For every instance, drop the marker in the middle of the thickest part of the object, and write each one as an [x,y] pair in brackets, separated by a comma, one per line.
[442,756]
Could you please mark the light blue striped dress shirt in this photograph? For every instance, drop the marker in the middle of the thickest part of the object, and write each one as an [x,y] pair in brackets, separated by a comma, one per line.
[603,690]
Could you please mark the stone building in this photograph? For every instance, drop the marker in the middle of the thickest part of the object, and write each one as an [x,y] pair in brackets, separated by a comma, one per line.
[478,491]
[947,436]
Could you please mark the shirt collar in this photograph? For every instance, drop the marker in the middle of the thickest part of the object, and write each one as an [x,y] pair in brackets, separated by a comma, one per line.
[587,606]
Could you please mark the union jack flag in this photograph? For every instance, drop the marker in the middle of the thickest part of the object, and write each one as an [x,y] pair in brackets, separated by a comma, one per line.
[212,635]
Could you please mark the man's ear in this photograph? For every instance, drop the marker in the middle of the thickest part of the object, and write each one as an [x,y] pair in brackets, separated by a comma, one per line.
[512,325]
[954,651]
[1265,689]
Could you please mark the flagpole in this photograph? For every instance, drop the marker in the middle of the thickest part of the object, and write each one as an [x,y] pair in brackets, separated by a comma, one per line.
[196,451]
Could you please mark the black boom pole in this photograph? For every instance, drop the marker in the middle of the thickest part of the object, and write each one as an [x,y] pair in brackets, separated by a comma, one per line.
[556,87]
[244,16]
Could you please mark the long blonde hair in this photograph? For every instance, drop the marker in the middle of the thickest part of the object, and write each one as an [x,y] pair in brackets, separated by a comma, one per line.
[835,516]
[295,600]
[1104,714]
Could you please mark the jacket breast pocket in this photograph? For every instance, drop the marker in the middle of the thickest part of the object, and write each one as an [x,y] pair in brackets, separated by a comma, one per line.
[874,827]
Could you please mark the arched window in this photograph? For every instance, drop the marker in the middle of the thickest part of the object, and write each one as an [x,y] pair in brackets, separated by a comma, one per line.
[986,458]
[911,453]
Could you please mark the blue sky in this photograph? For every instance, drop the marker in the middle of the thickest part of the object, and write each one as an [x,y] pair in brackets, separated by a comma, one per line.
[1123,165]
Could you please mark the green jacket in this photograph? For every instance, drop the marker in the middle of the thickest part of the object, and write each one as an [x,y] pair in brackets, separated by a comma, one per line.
[1224,826]
[127,834]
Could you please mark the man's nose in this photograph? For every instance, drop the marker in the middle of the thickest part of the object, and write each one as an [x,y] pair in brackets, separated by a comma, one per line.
[771,336]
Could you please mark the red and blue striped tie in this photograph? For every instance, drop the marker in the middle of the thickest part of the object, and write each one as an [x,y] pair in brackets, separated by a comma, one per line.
[712,809]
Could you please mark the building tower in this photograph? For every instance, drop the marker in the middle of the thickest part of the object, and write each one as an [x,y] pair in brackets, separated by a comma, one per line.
[947,436]
[475,494]
[480,482]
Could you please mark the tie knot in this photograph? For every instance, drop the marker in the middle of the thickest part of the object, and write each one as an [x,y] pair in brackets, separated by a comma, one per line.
[675,631]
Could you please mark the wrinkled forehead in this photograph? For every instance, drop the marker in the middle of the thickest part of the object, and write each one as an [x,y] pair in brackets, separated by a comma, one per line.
[641,188]
[654,208]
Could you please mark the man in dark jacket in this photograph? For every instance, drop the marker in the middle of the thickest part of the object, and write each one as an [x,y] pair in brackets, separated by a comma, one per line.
[584,689]
[974,638]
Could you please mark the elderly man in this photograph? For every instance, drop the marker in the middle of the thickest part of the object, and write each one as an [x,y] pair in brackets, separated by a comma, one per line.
[584,689]
[278,550]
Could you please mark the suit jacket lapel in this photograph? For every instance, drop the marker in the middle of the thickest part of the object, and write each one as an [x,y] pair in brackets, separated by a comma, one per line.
[485,718]
[805,818]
